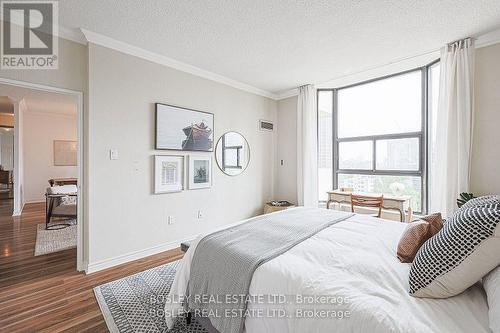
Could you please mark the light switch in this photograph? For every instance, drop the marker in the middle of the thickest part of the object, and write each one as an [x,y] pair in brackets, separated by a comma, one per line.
[113,154]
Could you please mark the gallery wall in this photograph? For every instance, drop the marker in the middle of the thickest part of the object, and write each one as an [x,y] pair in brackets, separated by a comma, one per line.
[126,220]
[40,129]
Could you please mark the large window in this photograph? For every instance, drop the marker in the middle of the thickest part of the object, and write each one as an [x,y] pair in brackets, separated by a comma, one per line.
[372,136]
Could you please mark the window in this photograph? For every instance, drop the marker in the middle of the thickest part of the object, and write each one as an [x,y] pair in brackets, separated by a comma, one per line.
[372,136]
[232,147]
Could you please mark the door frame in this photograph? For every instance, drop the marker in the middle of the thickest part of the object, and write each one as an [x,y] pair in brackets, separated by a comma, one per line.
[80,257]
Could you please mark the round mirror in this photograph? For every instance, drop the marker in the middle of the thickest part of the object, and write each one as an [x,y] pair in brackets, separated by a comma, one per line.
[232,153]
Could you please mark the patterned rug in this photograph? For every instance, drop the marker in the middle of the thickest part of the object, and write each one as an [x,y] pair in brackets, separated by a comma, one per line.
[133,304]
[48,241]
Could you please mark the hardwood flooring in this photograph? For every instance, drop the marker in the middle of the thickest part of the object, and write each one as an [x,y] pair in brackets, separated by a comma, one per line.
[46,293]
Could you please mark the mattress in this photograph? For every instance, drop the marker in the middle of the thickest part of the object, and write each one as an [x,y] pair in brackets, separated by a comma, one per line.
[346,278]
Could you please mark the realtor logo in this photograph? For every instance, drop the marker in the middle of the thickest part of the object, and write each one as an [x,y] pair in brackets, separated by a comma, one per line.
[29,35]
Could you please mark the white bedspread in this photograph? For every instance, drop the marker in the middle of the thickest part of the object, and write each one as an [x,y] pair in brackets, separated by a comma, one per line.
[354,262]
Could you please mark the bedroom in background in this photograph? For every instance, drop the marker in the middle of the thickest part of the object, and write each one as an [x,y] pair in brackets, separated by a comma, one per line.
[39,218]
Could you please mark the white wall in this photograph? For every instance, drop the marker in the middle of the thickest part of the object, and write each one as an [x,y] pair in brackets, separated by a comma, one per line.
[70,74]
[7,149]
[125,219]
[286,187]
[19,111]
[39,132]
[485,176]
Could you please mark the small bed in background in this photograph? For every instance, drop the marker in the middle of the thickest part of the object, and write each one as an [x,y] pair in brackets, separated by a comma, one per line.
[353,281]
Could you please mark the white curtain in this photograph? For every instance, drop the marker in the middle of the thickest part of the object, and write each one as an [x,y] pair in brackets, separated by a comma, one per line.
[307,151]
[451,147]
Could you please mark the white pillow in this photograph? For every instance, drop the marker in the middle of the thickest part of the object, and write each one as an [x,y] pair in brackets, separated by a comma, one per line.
[64,189]
[491,283]
[458,256]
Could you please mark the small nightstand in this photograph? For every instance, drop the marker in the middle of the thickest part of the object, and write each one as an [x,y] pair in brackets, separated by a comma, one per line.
[269,207]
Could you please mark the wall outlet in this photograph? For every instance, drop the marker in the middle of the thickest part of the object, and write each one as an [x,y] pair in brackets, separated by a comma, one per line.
[200,215]
[170,220]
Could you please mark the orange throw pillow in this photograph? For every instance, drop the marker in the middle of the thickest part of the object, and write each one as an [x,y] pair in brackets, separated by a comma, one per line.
[436,222]
[416,234]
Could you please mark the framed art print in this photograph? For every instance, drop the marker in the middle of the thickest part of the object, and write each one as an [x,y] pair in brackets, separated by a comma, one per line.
[200,171]
[183,129]
[65,153]
[169,174]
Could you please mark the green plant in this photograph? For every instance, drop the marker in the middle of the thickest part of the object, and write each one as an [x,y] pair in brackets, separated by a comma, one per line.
[464,197]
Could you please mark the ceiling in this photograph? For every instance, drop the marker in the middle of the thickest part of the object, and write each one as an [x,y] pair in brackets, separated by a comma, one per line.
[277,45]
[40,101]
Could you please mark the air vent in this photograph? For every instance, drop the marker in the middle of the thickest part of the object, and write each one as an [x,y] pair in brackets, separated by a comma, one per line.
[265,125]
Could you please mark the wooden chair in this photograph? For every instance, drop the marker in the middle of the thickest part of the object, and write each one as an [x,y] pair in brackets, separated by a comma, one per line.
[367,201]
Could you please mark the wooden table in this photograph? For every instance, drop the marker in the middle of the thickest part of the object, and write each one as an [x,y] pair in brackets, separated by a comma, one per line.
[401,203]
[63,181]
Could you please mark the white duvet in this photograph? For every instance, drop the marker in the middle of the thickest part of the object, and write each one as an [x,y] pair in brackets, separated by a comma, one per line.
[353,265]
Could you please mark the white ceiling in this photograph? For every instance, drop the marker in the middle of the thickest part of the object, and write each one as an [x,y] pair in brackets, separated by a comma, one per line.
[40,101]
[276,45]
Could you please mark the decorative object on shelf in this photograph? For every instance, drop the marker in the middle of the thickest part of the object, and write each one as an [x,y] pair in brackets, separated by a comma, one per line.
[200,171]
[183,129]
[65,153]
[169,174]
[397,188]
[277,205]
[464,197]
[232,153]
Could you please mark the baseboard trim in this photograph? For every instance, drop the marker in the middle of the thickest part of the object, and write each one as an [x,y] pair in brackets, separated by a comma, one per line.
[118,260]
[18,213]
[34,201]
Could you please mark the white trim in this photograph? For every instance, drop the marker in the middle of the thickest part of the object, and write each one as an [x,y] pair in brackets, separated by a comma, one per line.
[18,213]
[34,201]
[131,256]
[30,85]
[51,113]
[487,39]
[484,40]
[74,35]
[288,93]
[80,258]
[111,43]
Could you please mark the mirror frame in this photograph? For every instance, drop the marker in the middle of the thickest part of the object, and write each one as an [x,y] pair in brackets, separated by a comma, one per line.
[249,153]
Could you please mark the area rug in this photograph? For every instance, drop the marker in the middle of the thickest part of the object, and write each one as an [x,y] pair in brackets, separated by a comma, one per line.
[49,241]
[136,303]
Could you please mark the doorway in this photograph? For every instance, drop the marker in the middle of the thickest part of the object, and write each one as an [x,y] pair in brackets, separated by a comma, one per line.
[47,168]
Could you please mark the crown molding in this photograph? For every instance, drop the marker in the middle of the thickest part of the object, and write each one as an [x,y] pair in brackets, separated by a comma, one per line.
[98,39]
[287,93]
[74,35]
[483,40]
[487,39]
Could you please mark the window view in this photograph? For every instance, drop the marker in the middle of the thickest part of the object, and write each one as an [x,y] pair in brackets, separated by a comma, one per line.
[380,136]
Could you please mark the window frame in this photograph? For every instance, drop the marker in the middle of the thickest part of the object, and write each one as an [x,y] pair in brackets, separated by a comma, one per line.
[422,136]
[238,155]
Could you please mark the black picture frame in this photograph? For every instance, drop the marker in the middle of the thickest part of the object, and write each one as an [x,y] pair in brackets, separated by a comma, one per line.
[189,143]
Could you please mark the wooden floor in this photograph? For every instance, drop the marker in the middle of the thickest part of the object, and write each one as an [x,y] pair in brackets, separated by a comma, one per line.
[45,293]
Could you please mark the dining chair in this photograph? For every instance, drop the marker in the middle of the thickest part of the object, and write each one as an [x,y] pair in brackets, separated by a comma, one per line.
[367,201]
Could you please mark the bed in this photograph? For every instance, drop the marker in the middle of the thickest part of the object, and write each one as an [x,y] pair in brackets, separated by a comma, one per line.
[353,265]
